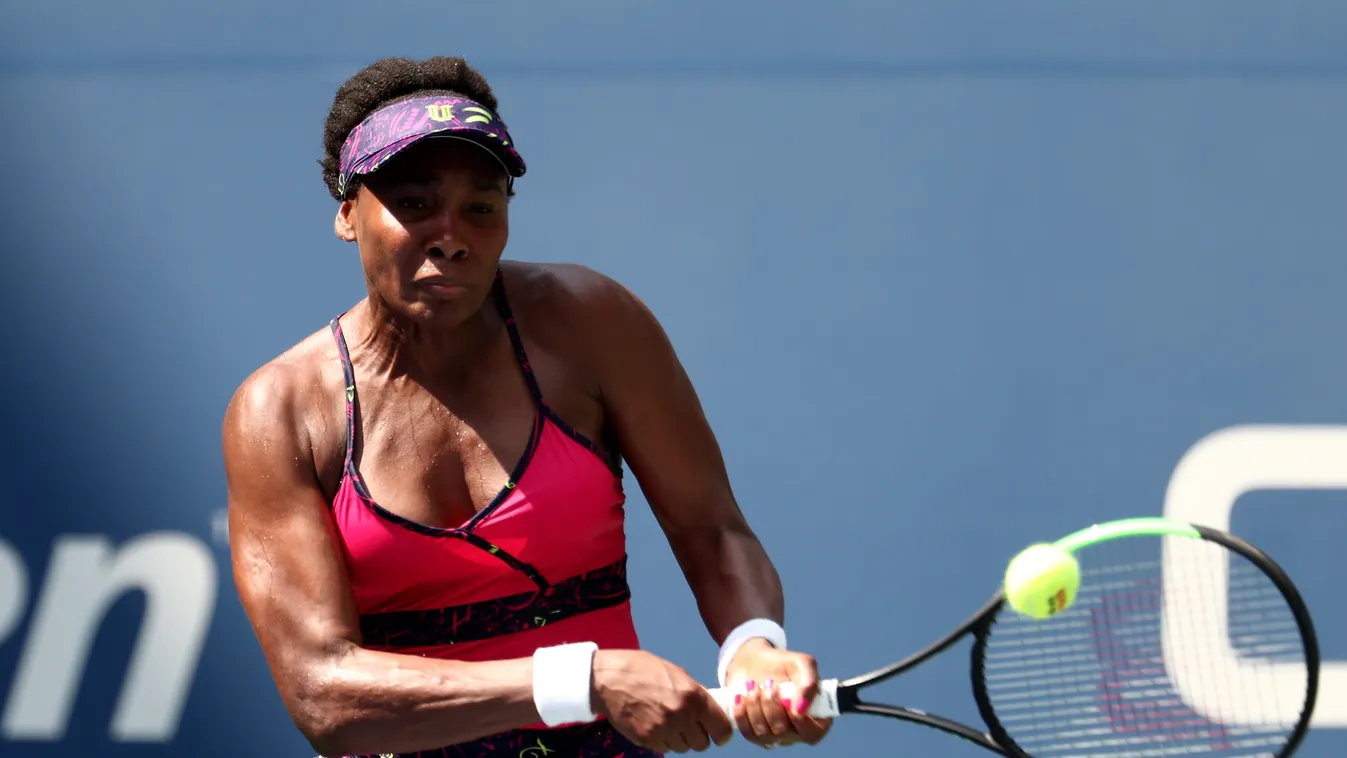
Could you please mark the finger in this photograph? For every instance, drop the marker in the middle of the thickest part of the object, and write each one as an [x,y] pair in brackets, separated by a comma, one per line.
[753,725]
[806,682]
[702,741]
[805,677]
[741,719]
[696,740]
[810,730]
[676,743]
[774,712]
[696,737]
[716,723]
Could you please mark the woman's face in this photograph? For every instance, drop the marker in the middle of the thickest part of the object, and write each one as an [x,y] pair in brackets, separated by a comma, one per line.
[431,226]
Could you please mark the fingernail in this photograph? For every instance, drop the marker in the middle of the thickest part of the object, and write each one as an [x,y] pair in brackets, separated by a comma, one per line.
[800,707]
[768,684]
[738,699]
[750,685]
[786,704]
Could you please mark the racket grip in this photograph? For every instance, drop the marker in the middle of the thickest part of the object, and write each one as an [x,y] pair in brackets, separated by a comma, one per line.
[824,705]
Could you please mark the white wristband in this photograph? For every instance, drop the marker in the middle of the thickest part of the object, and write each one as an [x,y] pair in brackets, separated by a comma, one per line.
[764,628]
[562,677]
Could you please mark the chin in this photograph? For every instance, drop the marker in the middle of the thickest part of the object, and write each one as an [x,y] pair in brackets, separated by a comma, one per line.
[441,312]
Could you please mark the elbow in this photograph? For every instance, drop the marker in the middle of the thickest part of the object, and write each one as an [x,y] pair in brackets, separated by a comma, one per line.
[325,741]
[330,745]
[344,734]
[331,731]
[322,713]
[324,726]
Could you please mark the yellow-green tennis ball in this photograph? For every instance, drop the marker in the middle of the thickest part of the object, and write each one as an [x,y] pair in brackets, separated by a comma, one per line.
[1042,581]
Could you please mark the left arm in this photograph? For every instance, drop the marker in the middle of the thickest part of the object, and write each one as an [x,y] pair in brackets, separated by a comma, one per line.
[665,438]
[663,434]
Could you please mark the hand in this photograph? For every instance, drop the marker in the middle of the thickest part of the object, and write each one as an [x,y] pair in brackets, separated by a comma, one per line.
[656,704]
[762,717]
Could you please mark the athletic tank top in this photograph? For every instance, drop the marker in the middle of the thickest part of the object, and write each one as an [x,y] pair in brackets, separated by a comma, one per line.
[544,563]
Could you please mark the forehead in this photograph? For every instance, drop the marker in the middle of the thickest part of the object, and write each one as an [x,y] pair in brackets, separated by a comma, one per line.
[437,158]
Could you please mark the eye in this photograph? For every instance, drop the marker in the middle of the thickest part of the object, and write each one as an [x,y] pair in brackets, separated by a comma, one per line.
[413,203]
[481,208]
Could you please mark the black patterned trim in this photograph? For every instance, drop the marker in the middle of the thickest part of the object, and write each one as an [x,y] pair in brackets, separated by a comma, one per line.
[601,588]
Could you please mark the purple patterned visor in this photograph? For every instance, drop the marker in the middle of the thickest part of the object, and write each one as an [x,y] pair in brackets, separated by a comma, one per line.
[396,127]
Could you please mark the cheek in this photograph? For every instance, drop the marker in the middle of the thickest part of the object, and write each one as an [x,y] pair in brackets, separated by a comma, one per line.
[495,238]
[382,238]
[384,265]
[493,232]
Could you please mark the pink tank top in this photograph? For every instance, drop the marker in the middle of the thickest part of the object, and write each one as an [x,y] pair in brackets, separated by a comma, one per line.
[544,563]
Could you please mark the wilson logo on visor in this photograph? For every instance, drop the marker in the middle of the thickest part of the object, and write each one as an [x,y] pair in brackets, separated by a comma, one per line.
[441,113]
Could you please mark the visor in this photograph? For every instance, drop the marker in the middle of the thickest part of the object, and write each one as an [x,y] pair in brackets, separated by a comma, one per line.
[397,126]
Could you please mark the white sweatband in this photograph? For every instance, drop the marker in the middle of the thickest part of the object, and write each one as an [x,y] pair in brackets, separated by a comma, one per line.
[766,629]
[562,676]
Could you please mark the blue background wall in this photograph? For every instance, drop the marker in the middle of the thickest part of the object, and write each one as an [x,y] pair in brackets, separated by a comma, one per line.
[951,277]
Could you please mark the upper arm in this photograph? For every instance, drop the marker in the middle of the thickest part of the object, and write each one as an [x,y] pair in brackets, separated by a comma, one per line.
[655,414]
[287,565]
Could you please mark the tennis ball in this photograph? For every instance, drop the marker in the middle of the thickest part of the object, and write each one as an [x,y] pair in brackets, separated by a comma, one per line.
[1042,581]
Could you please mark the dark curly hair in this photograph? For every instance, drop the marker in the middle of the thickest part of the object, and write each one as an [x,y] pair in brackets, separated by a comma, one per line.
[386,81]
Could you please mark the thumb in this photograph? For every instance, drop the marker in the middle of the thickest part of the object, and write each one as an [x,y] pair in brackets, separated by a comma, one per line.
[715,720]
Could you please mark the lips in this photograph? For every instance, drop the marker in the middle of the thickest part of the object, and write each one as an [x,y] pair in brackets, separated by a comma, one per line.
[439,285]
[435,279]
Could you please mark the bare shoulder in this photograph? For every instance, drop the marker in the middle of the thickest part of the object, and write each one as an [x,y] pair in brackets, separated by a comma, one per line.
[284,404]
[575,294]
[600,324]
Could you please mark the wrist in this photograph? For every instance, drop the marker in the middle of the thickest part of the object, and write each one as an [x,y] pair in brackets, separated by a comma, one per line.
[744,655]
[563,683]
[603,662]
[750,646]
[752,634]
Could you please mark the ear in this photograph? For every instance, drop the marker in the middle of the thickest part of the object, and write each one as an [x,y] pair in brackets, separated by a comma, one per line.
[344,223]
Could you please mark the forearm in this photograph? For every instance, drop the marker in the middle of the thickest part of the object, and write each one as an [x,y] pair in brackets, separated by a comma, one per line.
[731,577]
[375,702]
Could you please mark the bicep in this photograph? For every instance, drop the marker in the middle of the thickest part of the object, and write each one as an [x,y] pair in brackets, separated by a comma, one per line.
[659,421]
[287,564]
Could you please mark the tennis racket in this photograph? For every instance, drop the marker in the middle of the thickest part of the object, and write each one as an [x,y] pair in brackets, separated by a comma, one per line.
[1182,640]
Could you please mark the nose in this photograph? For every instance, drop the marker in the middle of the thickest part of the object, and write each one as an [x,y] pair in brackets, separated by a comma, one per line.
[447,244]
[448,252]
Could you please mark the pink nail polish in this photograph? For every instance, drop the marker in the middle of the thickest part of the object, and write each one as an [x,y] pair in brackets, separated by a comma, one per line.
[738,700]
[750,685]
[800,707]
[768,684]
[786,704]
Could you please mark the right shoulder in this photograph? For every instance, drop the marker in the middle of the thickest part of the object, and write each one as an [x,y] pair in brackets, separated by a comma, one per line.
[286,401]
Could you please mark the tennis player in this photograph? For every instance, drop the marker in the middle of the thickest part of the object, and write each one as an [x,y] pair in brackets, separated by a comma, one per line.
[426,497]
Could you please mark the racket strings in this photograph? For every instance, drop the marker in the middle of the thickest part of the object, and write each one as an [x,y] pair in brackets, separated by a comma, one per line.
[1152,659]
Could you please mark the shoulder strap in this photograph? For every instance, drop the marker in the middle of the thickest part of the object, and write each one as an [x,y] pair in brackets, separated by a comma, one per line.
[503,305]
[348,371]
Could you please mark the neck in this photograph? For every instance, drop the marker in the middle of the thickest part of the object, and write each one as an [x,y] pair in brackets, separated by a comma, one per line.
[402,346]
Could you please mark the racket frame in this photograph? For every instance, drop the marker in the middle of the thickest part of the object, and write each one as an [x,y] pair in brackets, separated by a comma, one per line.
[979,625]
[848,690]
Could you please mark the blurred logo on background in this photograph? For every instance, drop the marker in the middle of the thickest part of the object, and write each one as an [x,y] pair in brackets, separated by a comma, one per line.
[85,577]
[1206,483]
